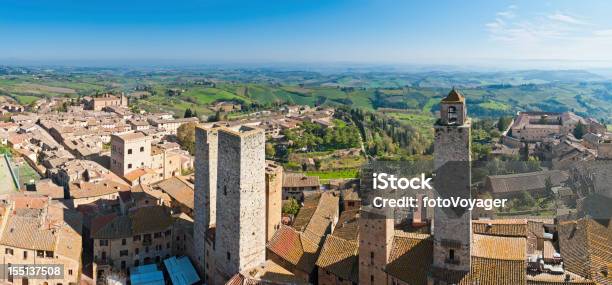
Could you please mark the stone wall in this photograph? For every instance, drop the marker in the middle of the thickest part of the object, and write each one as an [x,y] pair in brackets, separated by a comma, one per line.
[205,188]
[451,227]
[240,238]
[274,189]
[376,232]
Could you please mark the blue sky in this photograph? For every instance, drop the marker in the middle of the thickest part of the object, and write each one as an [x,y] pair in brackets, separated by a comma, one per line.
[309,31]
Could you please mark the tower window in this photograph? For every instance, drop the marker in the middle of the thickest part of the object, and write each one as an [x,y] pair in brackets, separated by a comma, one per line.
[228,256]
[452,114]
[451,254]
[225,190]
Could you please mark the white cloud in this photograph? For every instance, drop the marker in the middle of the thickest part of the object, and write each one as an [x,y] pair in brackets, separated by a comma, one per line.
[549,35]
[560,17]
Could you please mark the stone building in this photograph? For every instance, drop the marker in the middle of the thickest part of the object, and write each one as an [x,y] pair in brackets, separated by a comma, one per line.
[106,100]
[129,152]
[295,184]
[142,236]
[452,233]
[338,262]
[36,230]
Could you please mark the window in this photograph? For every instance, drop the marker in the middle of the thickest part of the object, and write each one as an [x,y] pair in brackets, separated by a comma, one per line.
[40,253]
[136,250]
[452,114]
[451,254]
[129,166]
[123,264]
[136,238]
[167,233]
[129,151]
[8,251]
[69,271]
[103,242]
[225,190]
[49,254]
[123,241]
[123,253]
[228,256]
[25,254]
[136,262]
[157,235]
[142,149]
[371,257]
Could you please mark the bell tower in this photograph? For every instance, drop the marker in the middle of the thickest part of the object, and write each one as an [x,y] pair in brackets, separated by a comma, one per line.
[452,147]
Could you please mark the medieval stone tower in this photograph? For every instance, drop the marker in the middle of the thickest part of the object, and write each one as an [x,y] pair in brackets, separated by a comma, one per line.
[452,226]
[376,230]
[240,237]
[205,188]
[274,192]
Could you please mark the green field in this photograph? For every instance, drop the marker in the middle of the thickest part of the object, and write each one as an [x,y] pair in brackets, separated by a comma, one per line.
[488,94]
[335,174]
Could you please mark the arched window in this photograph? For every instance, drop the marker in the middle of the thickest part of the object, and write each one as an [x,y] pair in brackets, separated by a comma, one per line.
[452,114]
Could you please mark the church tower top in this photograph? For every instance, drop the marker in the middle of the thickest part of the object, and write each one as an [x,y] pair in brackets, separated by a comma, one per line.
[452,109]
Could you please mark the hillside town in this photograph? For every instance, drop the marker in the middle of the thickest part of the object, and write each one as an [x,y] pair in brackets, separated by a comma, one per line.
[117,196]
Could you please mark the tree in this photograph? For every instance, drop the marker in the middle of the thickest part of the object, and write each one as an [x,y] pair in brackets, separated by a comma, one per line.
[526,200]
[579,131]
[186,136]
[291,207]
[270,151]
[188,113]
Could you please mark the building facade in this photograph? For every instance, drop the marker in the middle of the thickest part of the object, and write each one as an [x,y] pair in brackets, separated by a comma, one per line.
[129,152]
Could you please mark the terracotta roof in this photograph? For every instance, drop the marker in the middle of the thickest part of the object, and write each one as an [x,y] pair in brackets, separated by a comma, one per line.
[586,247]
[142,220]
[111,228]
[414,251]
[454,96]
[496,247]
[137,173]
[348,225]
[300,180]
[509,227]
[130,136]
[486,271]
[150,219]
[95,189]
[28,232]
[525,181]
[269,273]
[178,189]
[339,256]
[293,247]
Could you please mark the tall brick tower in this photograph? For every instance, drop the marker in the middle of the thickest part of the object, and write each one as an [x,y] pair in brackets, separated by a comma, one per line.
[240,237]
[205,191]
[452,226]
[376,230]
